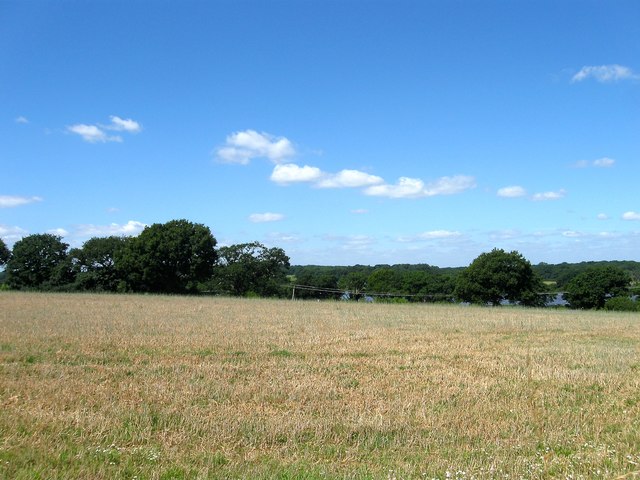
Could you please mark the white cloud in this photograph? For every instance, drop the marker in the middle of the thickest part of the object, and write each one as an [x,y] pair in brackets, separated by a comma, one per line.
[265,217]
[605,73]
[98,133]
[22,120]
[407,187]
[631,216]
[292,173]
[450,185]
[92,133]
[9,201]
[539,197]
[242,147]
[603,216]
[123,125]
[512,192]
[349,179]
[359,211]
[571,234]
[131,228]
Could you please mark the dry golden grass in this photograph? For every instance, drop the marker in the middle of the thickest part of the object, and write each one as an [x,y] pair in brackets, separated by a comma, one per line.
[106,386]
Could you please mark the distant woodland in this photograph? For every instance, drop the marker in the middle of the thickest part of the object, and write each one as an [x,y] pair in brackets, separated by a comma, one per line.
[429,280]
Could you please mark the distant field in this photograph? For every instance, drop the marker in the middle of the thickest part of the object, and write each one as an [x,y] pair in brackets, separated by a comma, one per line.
[156,387]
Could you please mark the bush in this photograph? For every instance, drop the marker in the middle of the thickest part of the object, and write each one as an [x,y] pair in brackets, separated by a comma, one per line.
[621,304]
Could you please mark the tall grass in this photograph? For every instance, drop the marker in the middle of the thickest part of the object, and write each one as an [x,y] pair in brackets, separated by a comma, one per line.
[107,386]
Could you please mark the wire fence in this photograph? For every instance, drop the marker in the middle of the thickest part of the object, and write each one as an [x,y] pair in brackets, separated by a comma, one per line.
[552,298]
[351,293]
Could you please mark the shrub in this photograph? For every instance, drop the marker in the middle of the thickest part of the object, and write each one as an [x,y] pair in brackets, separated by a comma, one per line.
[621,304]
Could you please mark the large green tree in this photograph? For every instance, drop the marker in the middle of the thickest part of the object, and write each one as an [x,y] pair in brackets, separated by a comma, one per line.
[498,276]
[38,261]
[591,288]
[95,263]
[250,268]
[172,257]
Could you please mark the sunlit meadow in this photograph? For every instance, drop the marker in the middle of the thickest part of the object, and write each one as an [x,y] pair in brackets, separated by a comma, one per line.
[158,387]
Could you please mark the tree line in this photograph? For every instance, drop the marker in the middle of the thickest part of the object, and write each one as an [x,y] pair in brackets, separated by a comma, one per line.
[177,257]
[493,278]
[181,257]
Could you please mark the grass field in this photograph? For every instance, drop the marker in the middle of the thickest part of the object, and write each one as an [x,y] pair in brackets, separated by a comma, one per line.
[154,387]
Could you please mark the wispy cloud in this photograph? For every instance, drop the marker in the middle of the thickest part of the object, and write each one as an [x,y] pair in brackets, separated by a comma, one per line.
[123,125]
[60,232]
[513,191]
[516,191]
[265,217]
[439,234]
[450,185]
[407,187]
[278,237]
[352,242]
[631,215]
[98,133]
[131,228]
[22,120]
[11,234]
[93,133]
[602,216]
[543,196]
[505,234]
[604,162]
[242,147]
[430,235]
[10,201]
[605,73]
[359,211]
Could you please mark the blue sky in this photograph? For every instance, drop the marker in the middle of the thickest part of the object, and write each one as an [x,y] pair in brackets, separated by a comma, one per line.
[346,132]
